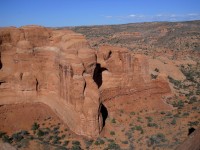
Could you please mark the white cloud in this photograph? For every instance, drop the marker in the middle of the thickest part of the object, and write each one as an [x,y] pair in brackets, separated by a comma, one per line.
[108,16]
[156,17]
[132,15]
[193,14]
[159,15]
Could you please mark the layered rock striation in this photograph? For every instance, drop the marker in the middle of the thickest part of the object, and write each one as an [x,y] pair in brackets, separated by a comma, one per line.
[59,69]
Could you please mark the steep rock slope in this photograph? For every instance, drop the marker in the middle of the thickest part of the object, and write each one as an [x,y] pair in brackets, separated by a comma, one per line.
[59,69]
[54,67]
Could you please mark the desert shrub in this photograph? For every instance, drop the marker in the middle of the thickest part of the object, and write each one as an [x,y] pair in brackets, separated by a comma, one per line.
[173,122]
[193,100]
[129,133]
[177,83]
[17,137]
[63,136]
[131,124]
[2,133]
[24,132]
[23,143]
[139,128]
[156,139]
[198,91]
[113,120]
[153,76]
[124,142]
[76,145]
[156,69]
[110,140]
[162,112]
[185,114]
[35,126]
[40,133]
[113,146]
[193,123]
[65,143]
[88,143]
[139,119]
[132,113]
[152,125]
[176,115]
[179,104]
[168,114]
[56,139]
[150,119]
[61,148]
[112,132]
[99,141]
[56,128]
[6,139]
[121,111]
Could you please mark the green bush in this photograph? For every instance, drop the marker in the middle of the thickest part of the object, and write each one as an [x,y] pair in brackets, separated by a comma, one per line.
[193,123]
[152,125]
[35,126]
[40,133]
[17,137]
[132,113]
[6,139]
[150,119]
[112,133]
[88,143]
[177,83]
[173,121]
[179,104]
[76,147]
[76,143]
[2,133]
[113,146]
[193,100]
[139,128]
[156,139]
[113,120]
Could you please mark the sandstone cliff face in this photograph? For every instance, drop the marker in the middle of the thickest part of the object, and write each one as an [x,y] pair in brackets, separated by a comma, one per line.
[54,67]
[58,68]
[125,74]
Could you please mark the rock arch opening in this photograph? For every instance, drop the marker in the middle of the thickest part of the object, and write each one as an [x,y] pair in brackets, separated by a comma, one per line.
[97,77]
[104,113]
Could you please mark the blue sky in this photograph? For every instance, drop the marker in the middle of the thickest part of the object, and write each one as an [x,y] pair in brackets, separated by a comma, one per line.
[56,13]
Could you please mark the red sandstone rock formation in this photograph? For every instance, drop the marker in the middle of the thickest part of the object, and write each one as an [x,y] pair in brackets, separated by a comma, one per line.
[58,68]
[125,74]
[54,67]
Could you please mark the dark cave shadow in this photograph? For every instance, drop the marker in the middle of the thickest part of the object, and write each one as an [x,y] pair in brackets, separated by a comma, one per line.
[191,130]
[104,113]
[97,77]
[1,65]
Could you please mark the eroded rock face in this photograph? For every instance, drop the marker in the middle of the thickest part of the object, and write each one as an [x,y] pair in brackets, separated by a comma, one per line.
[58,68]
[54,67]
[126,75]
